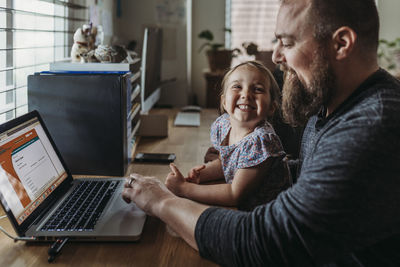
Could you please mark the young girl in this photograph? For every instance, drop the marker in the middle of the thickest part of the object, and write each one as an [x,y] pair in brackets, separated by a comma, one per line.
[250,153]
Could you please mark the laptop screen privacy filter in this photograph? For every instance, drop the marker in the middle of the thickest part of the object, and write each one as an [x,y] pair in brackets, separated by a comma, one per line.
[34,179]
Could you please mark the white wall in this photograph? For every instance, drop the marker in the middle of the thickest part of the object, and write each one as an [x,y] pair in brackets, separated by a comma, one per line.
[210,14]
[103,13]
[136,14]
[207,14]
[389,19]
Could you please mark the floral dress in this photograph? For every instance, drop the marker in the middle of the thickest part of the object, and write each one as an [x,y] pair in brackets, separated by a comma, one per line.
[252,150]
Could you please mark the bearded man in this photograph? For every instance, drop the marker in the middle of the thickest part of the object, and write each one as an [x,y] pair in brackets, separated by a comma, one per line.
[344,209]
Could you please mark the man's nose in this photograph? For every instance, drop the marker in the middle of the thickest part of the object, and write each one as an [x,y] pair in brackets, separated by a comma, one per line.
[277,55]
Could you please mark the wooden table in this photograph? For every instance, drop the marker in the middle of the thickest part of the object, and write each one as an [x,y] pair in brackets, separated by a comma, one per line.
[157,246]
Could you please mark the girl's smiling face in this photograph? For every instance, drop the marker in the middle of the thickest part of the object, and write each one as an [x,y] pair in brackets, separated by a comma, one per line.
[247,97]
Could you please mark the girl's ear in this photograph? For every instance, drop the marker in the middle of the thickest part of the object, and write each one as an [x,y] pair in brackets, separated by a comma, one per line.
[222,106]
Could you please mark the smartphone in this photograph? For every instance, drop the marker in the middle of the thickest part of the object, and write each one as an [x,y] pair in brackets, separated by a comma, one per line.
[155,157]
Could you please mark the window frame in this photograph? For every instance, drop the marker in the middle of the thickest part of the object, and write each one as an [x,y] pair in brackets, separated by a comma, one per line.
[232,43]
[66,16]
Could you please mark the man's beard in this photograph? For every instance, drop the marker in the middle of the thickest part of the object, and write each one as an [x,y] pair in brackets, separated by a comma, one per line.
[299,103]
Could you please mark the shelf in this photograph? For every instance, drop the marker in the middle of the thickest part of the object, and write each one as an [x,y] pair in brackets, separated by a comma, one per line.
[135,109]
[133,145]
[135,77]
[135,92]
[133,140]
[135,129]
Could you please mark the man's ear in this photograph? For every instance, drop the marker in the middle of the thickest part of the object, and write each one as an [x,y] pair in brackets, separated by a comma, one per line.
[344,40]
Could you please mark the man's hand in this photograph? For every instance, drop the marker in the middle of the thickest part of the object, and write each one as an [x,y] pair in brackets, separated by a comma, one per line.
[153,197]
[148,193]
[194,174]
[175,181]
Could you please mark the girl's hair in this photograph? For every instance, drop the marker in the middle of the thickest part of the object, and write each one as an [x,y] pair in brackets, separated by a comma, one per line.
[274,90]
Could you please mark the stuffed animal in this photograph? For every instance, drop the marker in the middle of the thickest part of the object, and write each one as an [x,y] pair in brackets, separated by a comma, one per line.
[84,39]
[110,54]
[84,50]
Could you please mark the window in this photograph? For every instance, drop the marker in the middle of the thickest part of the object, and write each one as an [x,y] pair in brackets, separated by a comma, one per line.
[251,21]
[33,33]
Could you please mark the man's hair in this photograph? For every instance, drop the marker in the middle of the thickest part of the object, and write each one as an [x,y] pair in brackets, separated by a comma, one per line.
[327,16]
[360,15]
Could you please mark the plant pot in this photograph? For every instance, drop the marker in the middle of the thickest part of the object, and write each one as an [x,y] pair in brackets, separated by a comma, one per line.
[266,58]
[219,60]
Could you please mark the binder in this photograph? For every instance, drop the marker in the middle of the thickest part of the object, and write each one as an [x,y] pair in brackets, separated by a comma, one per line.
[87,116]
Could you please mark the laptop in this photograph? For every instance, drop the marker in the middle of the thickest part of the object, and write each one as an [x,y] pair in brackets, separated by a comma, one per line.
[43,201]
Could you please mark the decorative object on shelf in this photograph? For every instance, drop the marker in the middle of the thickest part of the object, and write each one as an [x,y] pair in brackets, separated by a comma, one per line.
[251,48]
[389,54]
[110,54]
[264,56]
[84,42]
[219,58]
[84,48]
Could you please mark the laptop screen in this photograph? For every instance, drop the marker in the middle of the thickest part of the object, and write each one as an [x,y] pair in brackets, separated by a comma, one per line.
[30,169]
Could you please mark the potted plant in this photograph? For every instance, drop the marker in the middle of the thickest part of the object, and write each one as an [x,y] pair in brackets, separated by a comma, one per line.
[389,54]
[263,56]
[219,58]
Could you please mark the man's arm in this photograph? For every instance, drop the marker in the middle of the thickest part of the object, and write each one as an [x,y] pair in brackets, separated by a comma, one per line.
[344,205]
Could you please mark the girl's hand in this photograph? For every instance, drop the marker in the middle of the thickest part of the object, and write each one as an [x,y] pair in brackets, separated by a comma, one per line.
[194,174]
[175,180]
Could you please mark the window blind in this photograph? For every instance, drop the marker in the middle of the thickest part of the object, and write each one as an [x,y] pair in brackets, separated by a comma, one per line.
[252,21]
[33,33]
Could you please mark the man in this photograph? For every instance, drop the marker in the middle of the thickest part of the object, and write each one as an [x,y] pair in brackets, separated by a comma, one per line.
[345,208]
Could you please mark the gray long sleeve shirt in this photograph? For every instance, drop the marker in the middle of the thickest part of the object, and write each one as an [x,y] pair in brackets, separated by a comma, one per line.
[345,208]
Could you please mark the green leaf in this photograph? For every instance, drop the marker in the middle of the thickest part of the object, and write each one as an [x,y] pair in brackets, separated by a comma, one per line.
[206,34]
[391,44]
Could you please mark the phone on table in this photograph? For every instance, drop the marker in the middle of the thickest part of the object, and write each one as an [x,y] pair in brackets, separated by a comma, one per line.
[155,157]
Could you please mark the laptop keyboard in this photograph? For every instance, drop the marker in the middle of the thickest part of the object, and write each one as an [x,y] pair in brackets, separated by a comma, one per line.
[81,210]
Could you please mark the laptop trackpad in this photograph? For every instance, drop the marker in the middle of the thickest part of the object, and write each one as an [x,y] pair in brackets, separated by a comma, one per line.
[121,219]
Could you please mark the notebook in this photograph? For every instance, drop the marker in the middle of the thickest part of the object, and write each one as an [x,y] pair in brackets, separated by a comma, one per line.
[36,190]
